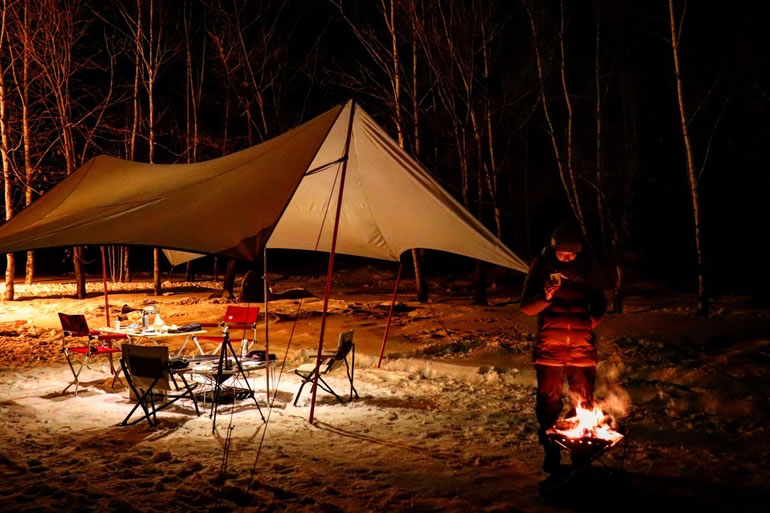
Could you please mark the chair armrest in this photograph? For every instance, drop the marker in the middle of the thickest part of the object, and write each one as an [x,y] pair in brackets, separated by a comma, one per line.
[210,338]
[110,336]
[210,324]
[241,325]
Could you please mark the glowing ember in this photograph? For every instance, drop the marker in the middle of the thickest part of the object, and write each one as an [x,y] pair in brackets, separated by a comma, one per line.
[592,423]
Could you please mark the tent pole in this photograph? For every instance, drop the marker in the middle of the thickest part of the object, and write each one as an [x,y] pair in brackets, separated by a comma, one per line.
[106,293]
[267,331]
[107,305]
[390,315]
[331,260]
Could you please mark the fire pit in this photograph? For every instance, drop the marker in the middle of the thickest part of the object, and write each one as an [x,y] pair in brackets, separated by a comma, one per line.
[587,436]
[587,447]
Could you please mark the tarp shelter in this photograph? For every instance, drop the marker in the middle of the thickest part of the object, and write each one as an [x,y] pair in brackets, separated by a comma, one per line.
[230,205]
[284,191]
[391,204]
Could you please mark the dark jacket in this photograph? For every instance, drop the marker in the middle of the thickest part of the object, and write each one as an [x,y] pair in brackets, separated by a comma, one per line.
[564,323]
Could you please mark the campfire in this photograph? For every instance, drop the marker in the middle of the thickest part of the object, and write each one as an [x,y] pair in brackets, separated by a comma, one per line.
[589,432]
[593,423]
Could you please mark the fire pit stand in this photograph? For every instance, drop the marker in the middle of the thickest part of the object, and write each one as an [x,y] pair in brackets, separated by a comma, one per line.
[583,452]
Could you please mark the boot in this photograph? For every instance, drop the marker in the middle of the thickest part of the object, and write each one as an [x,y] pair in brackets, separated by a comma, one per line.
[552,461]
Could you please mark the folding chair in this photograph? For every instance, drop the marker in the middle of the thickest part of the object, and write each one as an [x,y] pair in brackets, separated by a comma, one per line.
[329,362]
[150,377]
[240,322]
[76,326]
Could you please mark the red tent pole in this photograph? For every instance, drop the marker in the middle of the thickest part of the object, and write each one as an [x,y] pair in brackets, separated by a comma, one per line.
[390,314]
[267,331]
[106,293]
[331,261]
[107,305]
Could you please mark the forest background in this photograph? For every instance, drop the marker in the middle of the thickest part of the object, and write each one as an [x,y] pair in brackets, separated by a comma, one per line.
[642,121]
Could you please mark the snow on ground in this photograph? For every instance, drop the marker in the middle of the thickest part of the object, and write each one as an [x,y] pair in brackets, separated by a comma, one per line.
[446,425]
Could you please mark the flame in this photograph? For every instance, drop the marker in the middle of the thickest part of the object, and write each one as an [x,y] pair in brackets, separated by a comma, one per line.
[593,423]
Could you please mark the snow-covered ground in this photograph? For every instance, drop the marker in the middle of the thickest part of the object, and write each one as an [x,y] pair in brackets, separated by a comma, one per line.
[446,424]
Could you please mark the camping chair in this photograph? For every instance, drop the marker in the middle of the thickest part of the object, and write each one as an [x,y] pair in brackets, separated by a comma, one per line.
[76,326]
[150,377]
[240,322]
[328,363]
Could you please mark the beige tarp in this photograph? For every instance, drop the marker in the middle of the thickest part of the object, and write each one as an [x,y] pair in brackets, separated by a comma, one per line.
[227,205]
[390,203]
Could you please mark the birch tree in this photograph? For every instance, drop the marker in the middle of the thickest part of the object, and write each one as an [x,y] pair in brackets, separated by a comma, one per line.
[193,95]
[562,145]
[692,179]
[76,111]
[23,34]
[10,268]
[382,42]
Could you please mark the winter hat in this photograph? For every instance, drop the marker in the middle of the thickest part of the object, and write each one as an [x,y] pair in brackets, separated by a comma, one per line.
[566,237]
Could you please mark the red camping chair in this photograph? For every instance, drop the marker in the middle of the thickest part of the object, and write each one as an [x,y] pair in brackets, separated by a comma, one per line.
[241,323]
[96,343]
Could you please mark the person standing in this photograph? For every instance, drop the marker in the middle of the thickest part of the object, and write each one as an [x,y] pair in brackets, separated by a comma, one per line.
[564,290]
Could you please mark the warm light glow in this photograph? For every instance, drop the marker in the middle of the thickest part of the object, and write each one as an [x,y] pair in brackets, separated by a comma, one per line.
[592,423]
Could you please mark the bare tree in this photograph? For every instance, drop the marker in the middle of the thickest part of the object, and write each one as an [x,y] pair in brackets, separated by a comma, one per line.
[382,46]
[24,36]
[703,301]
[153,60]
[135,110]
[193,94]
[77,112]
[150,53]
[563,156]
[460,41]
[251,59]
[4,149]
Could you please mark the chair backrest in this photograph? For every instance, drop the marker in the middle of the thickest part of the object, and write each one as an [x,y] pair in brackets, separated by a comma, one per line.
[345,344]
[240,320]
[74,325]
[145,363]
[241,314]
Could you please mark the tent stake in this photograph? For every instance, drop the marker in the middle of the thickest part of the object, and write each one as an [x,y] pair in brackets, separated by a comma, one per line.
[331,260]
[390,315]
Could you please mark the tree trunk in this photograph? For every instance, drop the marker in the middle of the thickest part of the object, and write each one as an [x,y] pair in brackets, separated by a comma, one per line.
[568,102]
[390,22]
[703,302]
[151,69]
[29,172]
[10,269]
[480,292]
[480,280]
[417,254]
[80,272]
[189,275]
[228,285]
[157,289]
[599,156]
[135,117]
[127,264]
[547,112]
